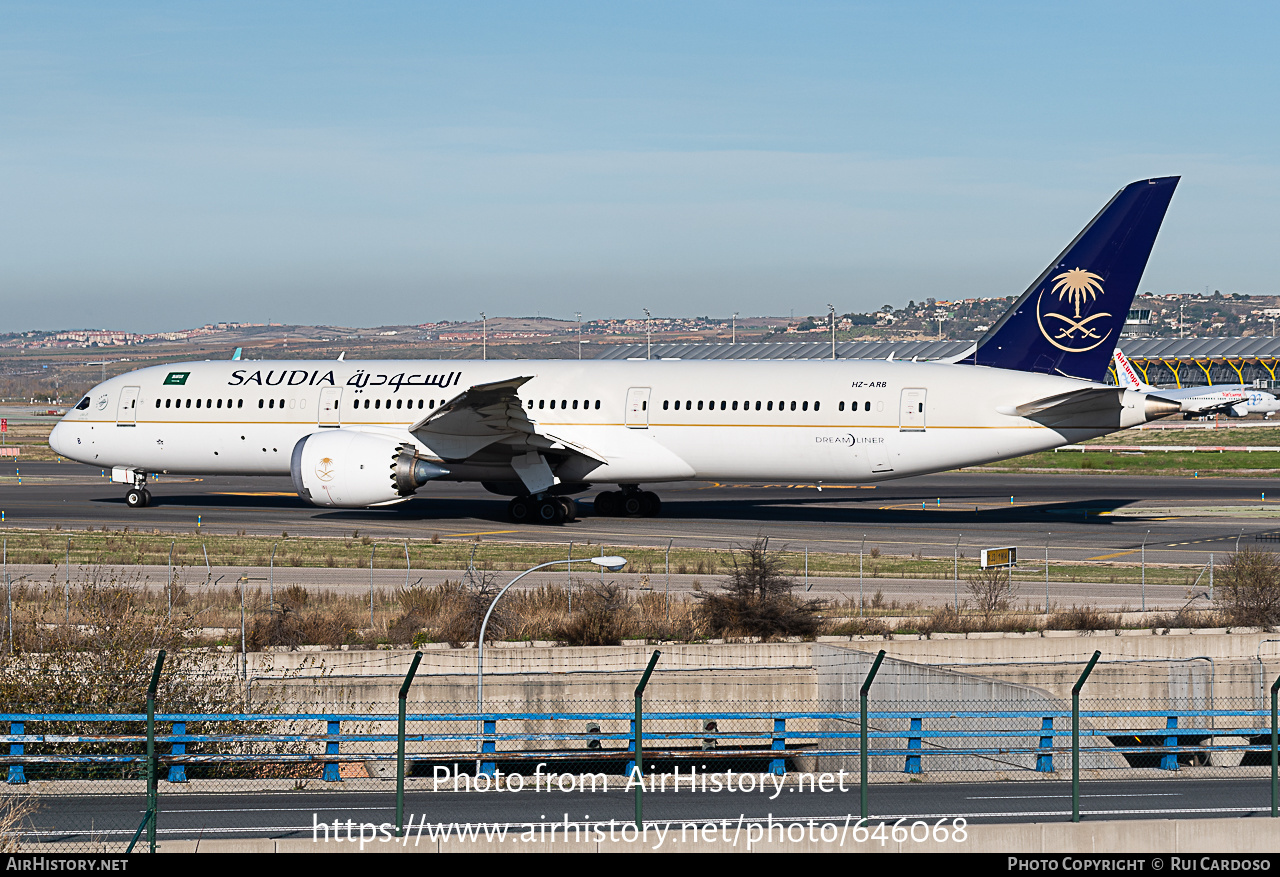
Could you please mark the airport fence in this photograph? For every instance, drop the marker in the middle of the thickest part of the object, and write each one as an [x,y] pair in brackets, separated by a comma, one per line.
[864,724]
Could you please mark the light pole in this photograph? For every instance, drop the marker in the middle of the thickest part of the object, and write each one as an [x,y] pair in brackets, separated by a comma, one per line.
[955,571]
[648,338]
[860,547]
[611,563]
[832,309]
[579,316]
[733,328]
[484,336]
[1144,570]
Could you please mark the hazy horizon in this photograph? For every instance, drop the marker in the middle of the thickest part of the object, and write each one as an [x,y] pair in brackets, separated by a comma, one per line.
[327,164]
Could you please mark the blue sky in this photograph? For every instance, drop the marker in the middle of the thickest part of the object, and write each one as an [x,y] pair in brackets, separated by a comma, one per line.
[166,164]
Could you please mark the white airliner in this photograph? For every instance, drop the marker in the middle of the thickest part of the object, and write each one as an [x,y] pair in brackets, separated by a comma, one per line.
[361,434]
[1234,400]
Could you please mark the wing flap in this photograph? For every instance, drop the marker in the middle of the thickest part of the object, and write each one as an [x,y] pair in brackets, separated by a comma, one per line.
[475,419]
[487,415]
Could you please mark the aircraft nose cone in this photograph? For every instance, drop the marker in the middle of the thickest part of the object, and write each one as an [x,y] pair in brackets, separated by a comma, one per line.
[56,437]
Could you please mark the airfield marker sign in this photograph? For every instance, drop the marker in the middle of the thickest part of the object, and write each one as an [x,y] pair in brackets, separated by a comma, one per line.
[999,557]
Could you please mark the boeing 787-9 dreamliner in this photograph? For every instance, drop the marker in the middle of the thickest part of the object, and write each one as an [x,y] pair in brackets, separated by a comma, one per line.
[371,433]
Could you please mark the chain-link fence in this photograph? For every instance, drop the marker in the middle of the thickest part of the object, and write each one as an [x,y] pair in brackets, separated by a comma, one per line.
[753,729]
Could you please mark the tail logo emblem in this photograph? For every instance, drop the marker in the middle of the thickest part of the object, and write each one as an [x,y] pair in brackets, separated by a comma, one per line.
[1072,332]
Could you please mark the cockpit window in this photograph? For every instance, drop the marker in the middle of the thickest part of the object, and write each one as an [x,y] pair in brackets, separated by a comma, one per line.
[84,404]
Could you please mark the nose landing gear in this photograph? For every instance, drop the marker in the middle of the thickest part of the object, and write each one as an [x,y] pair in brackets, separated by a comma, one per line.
[137,497]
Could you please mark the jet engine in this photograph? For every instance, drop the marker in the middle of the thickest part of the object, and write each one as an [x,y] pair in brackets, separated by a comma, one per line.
[343,468]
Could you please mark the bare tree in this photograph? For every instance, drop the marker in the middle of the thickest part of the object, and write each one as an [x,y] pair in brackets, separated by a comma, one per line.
[991,590]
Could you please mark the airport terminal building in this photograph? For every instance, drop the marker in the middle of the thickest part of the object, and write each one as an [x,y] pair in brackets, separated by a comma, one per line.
[1163,362]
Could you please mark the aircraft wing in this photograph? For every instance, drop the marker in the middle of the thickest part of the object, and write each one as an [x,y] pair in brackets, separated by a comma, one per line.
[486,415]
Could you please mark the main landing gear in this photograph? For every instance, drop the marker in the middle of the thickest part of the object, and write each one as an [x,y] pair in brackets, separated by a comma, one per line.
[631,502]
[554,510]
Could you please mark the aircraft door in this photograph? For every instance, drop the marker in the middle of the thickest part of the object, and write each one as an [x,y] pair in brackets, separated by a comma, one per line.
[912,410]
[637,413]
[330,413]
[127,412]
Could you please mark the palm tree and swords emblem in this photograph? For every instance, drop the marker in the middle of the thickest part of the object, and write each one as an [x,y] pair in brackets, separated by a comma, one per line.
[1078,287]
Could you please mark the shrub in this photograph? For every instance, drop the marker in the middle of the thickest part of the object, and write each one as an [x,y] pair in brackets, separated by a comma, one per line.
[601,618]
[756,600]
[1083,618]
[463,614]
[1248,591]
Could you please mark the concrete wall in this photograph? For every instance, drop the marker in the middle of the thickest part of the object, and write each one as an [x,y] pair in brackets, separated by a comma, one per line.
[903,686]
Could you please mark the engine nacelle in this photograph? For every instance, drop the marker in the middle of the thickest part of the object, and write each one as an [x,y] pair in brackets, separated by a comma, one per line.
[343,468]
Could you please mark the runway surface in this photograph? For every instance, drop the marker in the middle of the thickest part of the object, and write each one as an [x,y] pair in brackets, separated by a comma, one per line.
[296,814]
[1181,520]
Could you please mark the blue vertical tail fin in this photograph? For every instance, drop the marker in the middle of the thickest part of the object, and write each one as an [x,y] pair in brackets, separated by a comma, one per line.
[1069,320]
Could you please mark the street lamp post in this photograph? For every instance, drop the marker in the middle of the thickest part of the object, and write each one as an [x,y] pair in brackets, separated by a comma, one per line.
[733,328]
[484,336]
[648,337]
[579,316]
[832,309]
[611,563]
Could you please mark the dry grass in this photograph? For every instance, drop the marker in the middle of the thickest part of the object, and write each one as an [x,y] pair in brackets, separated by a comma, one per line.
[15,812]
[581,613]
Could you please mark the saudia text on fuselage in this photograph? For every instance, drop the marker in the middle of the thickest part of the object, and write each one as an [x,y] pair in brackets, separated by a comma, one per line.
[359,380]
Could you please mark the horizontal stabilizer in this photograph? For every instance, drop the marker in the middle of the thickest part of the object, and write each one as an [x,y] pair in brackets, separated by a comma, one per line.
[1080,408]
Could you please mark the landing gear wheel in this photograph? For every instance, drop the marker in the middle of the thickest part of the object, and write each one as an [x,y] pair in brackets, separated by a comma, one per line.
[146,497]
[549,511]
[135,498]
[650,505]
[520,509]
[570,507]
[632,505]
[608,504]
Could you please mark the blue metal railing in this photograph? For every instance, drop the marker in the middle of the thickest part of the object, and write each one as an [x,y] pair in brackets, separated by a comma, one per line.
[928,735]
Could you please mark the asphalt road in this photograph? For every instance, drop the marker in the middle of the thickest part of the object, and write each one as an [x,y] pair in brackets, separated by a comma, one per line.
[1181,520]
[296,814]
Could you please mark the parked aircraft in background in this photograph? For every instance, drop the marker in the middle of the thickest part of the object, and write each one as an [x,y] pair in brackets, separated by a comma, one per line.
[360,434]
[1234,400]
